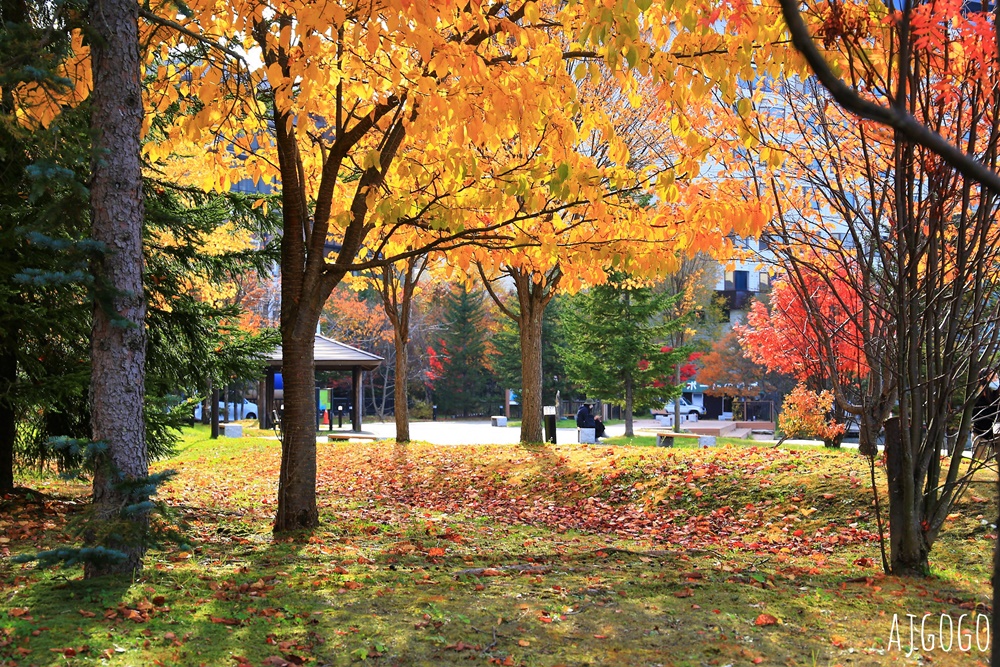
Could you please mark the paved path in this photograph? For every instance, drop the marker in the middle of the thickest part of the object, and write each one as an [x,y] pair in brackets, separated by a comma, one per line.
[480,432]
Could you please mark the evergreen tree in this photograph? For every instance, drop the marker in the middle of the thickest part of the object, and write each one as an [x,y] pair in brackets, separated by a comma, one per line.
[615,347]
[467,385]
[44,280]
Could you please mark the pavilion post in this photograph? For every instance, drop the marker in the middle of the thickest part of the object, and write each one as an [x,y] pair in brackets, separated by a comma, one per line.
[262,403]
[358,397]
[267,411]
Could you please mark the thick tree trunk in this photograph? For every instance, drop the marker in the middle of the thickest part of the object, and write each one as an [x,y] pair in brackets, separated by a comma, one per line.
[401,409]
[297,480]
[908,550]
[118,352]
[530,333]
[13,12]
[8,425]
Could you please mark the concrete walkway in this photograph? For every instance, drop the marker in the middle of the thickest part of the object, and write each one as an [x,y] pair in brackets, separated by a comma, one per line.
[478,432]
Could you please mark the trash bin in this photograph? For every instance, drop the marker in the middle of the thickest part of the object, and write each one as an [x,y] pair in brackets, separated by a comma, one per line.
[550,423]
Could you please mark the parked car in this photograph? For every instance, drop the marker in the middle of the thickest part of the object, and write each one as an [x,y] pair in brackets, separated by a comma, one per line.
[689,409]
[249,411]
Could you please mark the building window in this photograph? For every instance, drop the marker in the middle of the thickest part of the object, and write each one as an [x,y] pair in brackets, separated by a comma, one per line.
[741,281]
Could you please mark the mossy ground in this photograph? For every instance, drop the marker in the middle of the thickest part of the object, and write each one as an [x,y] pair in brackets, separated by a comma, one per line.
[563,555]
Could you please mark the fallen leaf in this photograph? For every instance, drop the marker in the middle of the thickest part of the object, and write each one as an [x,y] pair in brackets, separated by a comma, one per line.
[766,619]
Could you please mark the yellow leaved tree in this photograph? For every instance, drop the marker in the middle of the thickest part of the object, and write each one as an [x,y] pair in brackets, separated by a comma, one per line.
[447,122]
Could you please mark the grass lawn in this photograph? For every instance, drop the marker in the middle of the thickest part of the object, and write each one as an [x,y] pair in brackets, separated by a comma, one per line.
[500,555]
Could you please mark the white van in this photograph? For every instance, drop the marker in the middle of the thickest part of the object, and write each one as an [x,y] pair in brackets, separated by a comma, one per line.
[244,410]
[687,409]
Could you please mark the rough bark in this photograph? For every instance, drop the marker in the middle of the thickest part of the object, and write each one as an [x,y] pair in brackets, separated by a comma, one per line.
[908,550]
[297,480]
[11,11]
[118,345]
[530,334]
[400,407]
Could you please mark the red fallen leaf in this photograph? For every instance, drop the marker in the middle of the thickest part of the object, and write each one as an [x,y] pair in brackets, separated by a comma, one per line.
[86,614]
[683,593]
[766,619]
[461,646]
[508,662]
[159,600]
[435,551]
[798,533]
[169,636]
[365,561]
[523,642]
[276,661]
[353,585]
[758,660]
[864,562]
[339,570]
[224,621]
[829,496]
[492,572]
[17,612]
[600,636]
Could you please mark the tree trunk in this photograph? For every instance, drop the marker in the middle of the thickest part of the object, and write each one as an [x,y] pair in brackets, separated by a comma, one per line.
[11,12]
[908,550]
[8,425]
[297,480]
[994,654]
[401,409]
[118,352]
[677,401]
[206,405]
[530,334]
[629,398]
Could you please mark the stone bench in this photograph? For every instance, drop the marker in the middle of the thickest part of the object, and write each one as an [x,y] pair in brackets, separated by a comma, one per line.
[233,431]
[498,420]
[334,437]
[669,438]
[586,436]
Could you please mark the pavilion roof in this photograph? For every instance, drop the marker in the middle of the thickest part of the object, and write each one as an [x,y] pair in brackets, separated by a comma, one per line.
[332,355]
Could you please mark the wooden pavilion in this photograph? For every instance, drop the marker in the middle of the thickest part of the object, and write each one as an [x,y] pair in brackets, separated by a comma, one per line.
[329,355]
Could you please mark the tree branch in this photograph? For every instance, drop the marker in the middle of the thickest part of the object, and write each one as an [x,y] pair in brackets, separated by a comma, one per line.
[893,117]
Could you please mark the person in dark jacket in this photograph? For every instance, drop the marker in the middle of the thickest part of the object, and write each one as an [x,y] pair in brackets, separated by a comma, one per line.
[985,417]
[585,419]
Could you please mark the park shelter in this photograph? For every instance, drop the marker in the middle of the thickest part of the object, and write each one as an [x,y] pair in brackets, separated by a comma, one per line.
[329,355]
